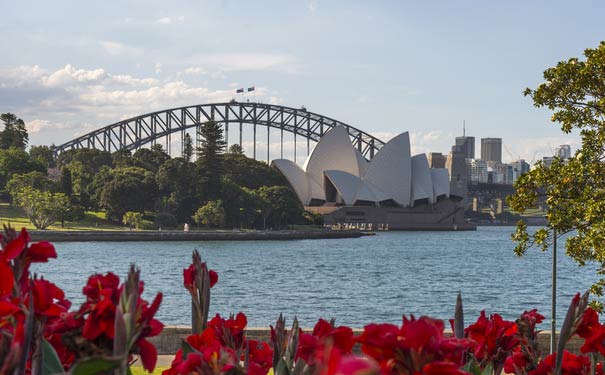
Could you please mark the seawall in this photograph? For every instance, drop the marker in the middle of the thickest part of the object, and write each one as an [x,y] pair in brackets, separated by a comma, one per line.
[121,236]
[169,341]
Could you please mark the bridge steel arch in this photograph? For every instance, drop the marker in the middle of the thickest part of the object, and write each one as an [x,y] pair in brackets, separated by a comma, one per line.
[132,133]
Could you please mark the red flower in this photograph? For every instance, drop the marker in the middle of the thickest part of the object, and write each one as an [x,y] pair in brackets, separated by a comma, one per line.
[41,252]
[494,338]
[101,319]
[592,332]
[7,279]
[49,300]
[189,276]
[572,365]
[442,368]
[14,248]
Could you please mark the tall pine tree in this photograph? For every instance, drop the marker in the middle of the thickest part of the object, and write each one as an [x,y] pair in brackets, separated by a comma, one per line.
[14,133]
[210,159]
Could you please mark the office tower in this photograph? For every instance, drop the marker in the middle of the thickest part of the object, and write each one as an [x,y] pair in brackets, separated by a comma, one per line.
[467,146]
[563,151]
[491,149]
[456,167]
[519,167]
[436,160]
[476,170]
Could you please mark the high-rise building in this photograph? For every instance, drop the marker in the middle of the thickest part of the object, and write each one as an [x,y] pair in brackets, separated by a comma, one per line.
[563,152]
[476,170]
[491,149]
[456,167]
[519,167]
[467,146]
[436,160]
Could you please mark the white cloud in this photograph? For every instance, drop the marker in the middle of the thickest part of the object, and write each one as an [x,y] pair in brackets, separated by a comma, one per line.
[158,68]
[62,100]
[194,70]
[171,20]
[534,149]
[118,49]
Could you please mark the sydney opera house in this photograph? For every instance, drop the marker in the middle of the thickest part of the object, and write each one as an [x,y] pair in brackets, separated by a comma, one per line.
[393,190]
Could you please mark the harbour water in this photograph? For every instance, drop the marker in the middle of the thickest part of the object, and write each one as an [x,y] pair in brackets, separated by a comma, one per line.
[356,281]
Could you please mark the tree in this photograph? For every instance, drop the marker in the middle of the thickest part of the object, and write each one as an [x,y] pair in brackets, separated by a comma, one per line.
[187,147]
[43,208]
[236,149]
[16,161]
[179,185]
[574,189]
[250,173]
[280,205]
[210,214]
[150,159]
[43,155]
[133,219]
[127,189]
[35,179]
[14,133]
[210,161]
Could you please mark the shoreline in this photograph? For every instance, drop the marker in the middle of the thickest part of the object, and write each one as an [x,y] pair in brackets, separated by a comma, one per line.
[121,236]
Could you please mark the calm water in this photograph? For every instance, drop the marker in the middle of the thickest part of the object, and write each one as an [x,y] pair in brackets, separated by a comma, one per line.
[356,281]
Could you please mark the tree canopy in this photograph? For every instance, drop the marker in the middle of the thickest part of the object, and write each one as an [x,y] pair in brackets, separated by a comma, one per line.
[14,133]
[574,189]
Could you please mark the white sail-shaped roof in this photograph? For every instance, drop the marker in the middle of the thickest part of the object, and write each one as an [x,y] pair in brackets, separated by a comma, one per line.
[297,178]
[345,183]
[362,163]
[422,185]
[334,151]
[441,182]
[391,169]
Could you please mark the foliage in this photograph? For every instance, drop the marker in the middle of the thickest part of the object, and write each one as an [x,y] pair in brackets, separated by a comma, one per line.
[133,219]
[209,164]
[14,133]
[40,335]
[187,147]
[165,220]
[35,179]
[43,208]
[150,159]
[16,161]
[574,189]
[177,182]
[127,189]
[43,155]
[249,173]
[235,149]
[279,204]
[210,214]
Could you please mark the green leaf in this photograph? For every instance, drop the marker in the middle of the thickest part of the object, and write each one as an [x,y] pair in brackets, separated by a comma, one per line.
[488,370]
[52,363]
[95,365]
[186,348]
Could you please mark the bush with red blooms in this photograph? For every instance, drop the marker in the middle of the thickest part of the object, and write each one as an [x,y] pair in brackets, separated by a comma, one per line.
[40,335]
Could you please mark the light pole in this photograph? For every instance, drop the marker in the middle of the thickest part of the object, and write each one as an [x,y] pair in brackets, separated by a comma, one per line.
[553,321]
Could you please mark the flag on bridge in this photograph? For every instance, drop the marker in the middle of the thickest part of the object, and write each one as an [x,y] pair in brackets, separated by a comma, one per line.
[240,90]
[250,88]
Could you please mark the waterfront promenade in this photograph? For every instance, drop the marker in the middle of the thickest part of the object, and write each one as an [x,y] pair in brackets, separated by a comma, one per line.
[236,235]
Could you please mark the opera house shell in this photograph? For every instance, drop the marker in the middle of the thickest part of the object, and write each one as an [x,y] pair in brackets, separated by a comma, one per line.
[393,190]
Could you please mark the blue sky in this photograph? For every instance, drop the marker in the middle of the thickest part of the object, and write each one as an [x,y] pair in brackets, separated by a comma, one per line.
[69,67]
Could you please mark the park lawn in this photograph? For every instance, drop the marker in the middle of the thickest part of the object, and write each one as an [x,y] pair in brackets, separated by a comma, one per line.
[138,370]
[15,216]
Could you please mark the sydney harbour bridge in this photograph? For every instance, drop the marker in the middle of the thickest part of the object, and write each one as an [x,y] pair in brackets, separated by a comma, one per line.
[162,126]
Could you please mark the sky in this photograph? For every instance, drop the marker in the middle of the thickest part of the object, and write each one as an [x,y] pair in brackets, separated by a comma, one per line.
[385,67]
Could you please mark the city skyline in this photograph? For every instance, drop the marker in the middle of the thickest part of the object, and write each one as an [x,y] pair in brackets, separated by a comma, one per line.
[384,68]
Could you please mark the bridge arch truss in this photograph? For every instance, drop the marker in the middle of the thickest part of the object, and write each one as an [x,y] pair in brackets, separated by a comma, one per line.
[133,133]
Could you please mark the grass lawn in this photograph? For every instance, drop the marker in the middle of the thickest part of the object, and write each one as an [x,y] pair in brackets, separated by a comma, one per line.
[15,216]
[136,370]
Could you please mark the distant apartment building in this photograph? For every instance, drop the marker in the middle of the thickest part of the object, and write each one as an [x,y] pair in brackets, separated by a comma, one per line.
[476,170]
[547,160]
[466,145]
[491,149]
[563,152]
[518,168]
[502,173]
[436,160]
